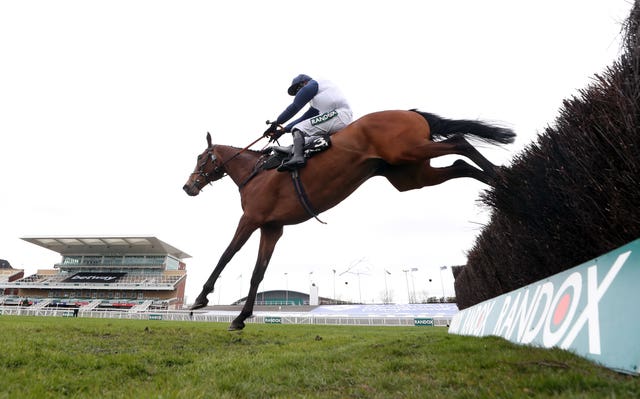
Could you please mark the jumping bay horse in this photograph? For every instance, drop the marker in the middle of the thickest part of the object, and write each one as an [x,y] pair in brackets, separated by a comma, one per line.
[395,144]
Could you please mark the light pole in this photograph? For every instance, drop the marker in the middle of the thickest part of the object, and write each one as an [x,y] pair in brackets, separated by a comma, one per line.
[359,273]
[413,283]
[310,286]
[406,279]
[354,264]
[386,289]
[334,285]
[441,281]
[346,284]
[286,291]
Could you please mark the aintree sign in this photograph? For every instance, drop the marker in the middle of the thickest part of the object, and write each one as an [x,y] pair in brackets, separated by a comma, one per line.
[94,277]
[590,310]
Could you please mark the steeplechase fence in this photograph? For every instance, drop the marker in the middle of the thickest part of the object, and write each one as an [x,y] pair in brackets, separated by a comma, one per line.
[590,310]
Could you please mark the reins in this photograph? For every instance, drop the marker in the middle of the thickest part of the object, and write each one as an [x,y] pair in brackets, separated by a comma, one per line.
[221,166]
[295,177]
[272,139]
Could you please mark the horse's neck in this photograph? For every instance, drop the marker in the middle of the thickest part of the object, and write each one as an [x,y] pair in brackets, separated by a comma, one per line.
[238,163]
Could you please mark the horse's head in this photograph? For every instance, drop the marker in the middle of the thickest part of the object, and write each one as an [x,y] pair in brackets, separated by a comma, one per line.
[208,169]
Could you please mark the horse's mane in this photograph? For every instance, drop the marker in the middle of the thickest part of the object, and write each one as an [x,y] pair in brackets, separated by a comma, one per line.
[255,152]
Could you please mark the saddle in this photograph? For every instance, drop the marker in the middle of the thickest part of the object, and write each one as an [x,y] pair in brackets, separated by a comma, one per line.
[277,155]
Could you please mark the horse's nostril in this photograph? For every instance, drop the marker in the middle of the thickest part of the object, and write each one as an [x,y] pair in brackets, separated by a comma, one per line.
[190,190]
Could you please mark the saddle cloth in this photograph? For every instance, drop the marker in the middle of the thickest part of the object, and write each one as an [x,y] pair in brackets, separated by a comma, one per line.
[276,155]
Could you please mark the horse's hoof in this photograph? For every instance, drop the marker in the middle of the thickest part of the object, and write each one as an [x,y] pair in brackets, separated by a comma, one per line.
[236,326]
[199,305]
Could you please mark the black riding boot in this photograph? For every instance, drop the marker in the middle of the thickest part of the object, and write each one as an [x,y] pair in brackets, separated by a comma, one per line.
[297,160]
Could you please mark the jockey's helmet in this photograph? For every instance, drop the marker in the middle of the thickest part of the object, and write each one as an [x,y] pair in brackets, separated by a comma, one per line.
[297,83]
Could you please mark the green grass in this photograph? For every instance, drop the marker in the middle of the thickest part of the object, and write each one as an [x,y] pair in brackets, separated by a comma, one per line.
[104,358]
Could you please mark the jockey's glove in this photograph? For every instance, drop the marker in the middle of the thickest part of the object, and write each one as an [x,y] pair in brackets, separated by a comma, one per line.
[273,128]
[276,135]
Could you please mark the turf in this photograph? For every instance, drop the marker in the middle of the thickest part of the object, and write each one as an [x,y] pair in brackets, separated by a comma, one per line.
[46,357]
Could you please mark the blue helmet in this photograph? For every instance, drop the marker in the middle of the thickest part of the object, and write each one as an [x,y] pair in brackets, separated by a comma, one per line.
[297,83]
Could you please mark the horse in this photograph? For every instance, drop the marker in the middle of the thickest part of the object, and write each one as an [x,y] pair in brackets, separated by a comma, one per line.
[396,144]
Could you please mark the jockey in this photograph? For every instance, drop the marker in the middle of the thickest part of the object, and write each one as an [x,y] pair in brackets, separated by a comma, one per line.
[328,113]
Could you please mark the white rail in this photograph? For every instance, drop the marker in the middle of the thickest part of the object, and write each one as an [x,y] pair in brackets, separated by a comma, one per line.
[276,318]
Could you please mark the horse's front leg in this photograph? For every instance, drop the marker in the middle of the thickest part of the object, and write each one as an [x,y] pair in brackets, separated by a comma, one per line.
[243,232]
[269,236]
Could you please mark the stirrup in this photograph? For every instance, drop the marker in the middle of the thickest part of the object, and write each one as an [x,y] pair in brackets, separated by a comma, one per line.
[292,164]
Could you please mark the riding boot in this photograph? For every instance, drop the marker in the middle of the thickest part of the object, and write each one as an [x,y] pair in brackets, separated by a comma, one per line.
[297,160]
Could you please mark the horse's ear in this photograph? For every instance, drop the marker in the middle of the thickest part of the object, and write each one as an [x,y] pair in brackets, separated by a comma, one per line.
[209,140]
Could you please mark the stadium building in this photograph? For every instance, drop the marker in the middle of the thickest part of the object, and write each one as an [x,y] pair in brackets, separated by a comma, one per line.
[9,274]
[104,273]
[291,298]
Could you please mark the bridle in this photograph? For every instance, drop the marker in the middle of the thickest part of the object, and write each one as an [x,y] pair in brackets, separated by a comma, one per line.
[217,166]
[219,169]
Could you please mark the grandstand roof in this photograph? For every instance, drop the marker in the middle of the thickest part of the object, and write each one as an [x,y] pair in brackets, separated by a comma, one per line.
[66,245]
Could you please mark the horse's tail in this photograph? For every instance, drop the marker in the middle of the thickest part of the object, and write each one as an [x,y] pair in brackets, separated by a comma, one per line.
[442,127]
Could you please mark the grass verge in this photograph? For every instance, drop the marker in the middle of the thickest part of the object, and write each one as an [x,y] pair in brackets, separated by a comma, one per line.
[105,358]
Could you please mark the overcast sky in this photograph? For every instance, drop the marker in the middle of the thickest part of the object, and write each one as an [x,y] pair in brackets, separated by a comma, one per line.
[105,105]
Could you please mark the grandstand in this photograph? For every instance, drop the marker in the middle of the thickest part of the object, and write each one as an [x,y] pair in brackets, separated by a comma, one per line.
[9,274]
[103,273]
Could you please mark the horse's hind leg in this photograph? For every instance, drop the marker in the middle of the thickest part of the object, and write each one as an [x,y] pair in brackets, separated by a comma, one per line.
[462,147]
[269,236]
[243,232]
[455,144]
[411,177]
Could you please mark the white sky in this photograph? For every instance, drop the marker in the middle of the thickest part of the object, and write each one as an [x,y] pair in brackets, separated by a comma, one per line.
[105,105]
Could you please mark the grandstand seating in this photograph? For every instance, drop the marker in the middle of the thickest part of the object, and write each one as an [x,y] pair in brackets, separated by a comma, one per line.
[13,300]
[141,307]
[148,279]
[42,304]
[103,273]
[92,305]
[5,274]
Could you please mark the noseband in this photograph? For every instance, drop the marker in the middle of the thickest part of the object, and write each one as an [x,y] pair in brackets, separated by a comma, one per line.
[216,168]
[219,168]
